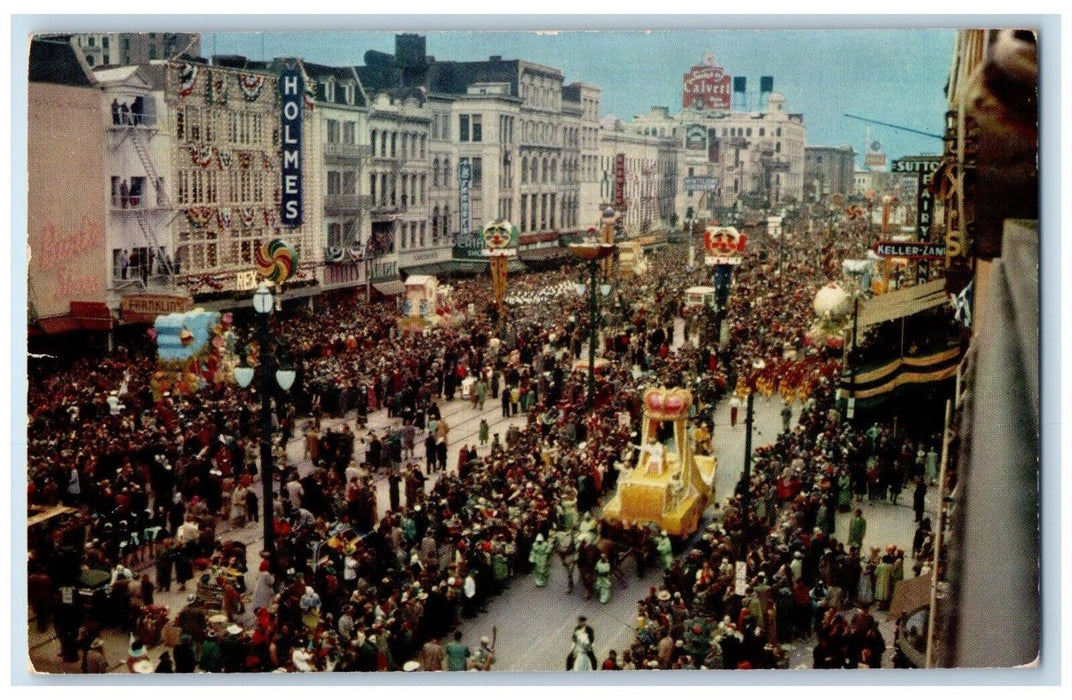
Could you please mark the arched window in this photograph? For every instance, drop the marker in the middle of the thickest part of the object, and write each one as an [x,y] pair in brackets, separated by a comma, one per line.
[543,174]
[435,173]
[554,168]
[524,170]
[534,174]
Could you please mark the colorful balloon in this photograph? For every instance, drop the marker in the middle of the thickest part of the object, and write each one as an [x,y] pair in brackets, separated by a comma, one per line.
[276,260]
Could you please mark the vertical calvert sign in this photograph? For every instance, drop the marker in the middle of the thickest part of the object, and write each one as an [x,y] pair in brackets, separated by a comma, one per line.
[465,178]
[291,96]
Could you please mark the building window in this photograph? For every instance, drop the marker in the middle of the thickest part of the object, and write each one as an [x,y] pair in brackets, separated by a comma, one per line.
[333,131]
[463,127]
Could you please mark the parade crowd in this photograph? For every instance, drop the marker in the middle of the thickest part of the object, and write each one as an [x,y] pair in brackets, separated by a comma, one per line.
[156,485]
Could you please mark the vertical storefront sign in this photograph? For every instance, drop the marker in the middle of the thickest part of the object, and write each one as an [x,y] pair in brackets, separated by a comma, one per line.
[465,178]
[291,95]
[619,181]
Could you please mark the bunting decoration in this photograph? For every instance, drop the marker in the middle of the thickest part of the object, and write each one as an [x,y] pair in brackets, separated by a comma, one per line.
[271,217]
[962,304]
[335,255]
[223,217]
[225,158]
[245,159]
[199,216]
[251,86]
[188,73]
[201,154]
[355,254]
[217,89]
[266,162]
[249,216]
[310,94]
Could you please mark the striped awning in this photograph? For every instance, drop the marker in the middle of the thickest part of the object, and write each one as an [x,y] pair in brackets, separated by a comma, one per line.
[875,381]
[903,302]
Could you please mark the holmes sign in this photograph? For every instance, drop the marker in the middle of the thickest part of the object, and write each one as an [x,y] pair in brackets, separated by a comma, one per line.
[707,86]
[291,96]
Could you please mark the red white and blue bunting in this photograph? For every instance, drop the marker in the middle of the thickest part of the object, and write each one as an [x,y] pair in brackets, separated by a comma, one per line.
[223,217]
[251,86]
[249,216]
[201,154]
[199,216]
[225,158]
[188,73]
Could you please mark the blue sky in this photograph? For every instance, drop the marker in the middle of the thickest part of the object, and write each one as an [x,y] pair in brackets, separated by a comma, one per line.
[889,75]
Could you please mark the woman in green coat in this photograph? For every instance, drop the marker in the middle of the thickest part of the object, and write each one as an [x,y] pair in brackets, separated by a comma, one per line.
[540,558]
[844,501]
[603,578]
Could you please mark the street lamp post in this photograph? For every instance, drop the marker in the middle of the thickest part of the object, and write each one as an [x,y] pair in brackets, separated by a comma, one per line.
[593,253]
[746,497]
[263,303]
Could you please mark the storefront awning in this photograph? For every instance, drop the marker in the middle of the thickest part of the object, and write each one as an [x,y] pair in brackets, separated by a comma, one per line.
[390,288]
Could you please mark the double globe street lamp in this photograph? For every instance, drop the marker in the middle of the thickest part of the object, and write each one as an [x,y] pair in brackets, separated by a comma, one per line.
[593,253]
[263,303]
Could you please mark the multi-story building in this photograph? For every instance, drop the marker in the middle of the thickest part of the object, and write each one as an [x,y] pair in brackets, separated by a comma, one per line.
[139,177]
[637,176]
[226,162]
[69,261]
[587,129]
[105,49]
[505,141]
[340,115]
[828,171]
[399,125]
[732,159]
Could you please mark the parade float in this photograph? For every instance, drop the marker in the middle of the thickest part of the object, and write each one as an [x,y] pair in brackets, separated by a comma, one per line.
[420,303]
[670,486]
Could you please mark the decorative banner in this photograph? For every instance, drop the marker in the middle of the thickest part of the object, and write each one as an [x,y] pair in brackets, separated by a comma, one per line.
[291,97]
[223,217]
[723,245]
[501,238]
[334,255]
[251,86]
[201,154]
[225,158]
[217,89]
[465,177]
[276,260]
[271,218]
[199,216]
[188,73]
[245,159]
[249,216]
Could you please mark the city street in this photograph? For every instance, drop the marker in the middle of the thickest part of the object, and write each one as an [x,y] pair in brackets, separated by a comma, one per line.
[534,624]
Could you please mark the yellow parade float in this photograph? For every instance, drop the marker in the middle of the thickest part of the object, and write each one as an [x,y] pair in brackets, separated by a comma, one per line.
[670,486]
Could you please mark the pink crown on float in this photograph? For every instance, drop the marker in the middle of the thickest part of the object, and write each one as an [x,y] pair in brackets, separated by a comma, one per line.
[667,404]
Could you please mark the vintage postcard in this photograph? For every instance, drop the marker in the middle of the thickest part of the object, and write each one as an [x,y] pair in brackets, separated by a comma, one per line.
[560,351]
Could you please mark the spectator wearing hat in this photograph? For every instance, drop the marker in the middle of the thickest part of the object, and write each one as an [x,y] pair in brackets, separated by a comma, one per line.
[94,660]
